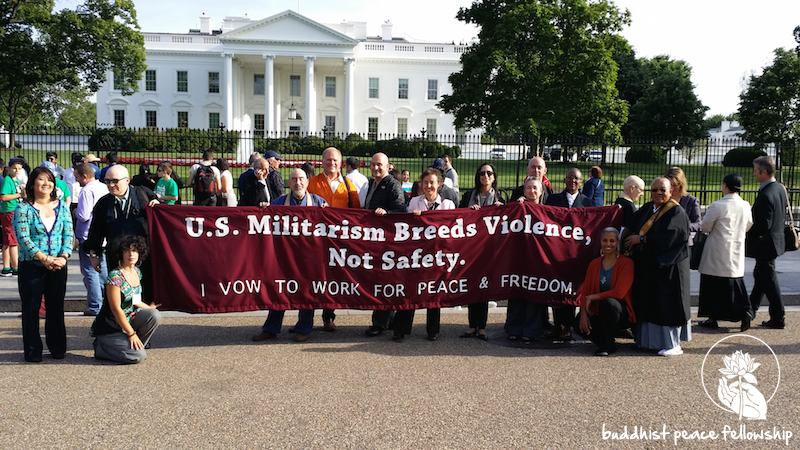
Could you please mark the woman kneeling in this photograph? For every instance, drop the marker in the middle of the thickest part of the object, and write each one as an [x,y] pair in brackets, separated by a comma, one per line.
[605,296]
[125,324]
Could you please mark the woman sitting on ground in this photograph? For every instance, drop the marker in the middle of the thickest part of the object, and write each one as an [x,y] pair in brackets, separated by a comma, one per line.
[605,296]
[125,324]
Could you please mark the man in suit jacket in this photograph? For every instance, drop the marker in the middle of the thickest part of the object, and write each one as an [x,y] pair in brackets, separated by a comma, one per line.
[258,193]
[121,212]
[570,197]
[765,240]
[537,168]
[384,195]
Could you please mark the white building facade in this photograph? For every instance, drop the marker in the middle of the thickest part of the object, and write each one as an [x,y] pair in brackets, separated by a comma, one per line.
[285,74]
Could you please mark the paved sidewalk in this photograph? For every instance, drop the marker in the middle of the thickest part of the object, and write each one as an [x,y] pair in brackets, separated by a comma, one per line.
[205,385]
[788,268]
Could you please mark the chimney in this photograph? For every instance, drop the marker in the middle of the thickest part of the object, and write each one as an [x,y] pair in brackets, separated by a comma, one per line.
[386,31]
[205,24]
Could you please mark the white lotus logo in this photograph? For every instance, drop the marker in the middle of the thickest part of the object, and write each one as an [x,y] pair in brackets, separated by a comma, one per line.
[737,390]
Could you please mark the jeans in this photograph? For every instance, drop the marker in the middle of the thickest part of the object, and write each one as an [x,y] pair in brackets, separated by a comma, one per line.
[305,321]
[94,281]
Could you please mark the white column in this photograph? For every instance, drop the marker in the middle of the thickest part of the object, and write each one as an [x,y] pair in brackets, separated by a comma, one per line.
[311,97]
[349,92]
[228,90]
[269,94]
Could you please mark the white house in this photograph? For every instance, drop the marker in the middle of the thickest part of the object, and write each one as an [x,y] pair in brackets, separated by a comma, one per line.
[287,73]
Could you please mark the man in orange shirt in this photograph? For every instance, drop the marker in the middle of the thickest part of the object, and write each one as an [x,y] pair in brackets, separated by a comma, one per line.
[339,192]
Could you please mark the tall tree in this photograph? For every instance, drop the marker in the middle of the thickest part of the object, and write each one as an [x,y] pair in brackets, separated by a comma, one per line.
[769,107]
[539,67]
[668,108]
[47,53]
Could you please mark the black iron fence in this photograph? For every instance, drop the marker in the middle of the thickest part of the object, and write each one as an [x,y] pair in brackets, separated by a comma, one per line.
[705,161]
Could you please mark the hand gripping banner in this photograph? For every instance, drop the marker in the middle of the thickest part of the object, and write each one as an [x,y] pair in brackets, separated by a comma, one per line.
[217,259]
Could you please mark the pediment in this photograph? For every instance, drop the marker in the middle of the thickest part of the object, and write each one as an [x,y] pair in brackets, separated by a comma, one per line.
[433,112]
[288,27]
[150,103]
[181,104]
[374,110]
[118,102]
[213,106]
[403,111]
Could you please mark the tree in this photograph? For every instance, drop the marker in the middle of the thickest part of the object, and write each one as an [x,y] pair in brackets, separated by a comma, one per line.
[539,67]
[47,54]
[668,108]
[715,121]
[769,107]
[76,111]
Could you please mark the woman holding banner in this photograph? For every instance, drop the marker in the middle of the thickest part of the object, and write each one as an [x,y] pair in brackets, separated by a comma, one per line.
[526,321]
[605,295]
[483,194]
[659,244]
[430,200]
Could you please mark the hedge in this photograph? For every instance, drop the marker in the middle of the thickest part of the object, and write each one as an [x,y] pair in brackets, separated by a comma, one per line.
[742,156]
[355,145]
[646,154]
[177,140]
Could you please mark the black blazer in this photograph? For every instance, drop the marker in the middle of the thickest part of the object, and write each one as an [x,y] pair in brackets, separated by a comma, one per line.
[766,240]
[111,224]
[560,199]
[449,194]
[388,195]
[254,195]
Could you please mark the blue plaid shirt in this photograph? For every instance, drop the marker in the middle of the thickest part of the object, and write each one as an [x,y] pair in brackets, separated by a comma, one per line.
[33,237]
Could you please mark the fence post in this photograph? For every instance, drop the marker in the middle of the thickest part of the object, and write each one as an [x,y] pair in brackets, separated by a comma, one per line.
[704,177]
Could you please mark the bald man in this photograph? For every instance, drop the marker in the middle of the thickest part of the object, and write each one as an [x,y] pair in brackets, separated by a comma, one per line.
[121,212]
[537,169]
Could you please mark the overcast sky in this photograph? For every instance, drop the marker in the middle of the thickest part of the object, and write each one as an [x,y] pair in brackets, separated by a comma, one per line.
[723,40]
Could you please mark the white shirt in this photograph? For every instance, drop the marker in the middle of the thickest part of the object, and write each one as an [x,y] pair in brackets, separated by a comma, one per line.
[88,197]
[361,182]
[419,203]
[571,198]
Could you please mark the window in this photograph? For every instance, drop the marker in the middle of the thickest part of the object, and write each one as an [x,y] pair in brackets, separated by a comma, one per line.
[294,130]
[433,89]
[430,128]
[330,126]
[294,85]
[119,117]
[258,122]
[183,81]
[372,128]
[183,119]
[330,86]
[213,120]
[118,81]
[402,88]
[373,88]
[402,126]
[213,82]
[258,84]
[150,80]
[150,119]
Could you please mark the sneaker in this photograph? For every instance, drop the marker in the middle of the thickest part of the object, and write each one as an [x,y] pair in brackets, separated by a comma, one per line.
[14,271]
[6,272]
[263,336]
[674,351]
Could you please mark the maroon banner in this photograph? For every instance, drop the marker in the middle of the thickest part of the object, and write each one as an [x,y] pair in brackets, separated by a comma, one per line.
[216,259]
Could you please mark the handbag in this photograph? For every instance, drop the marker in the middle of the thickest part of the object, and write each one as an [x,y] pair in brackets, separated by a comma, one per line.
[698,243]
[790,234]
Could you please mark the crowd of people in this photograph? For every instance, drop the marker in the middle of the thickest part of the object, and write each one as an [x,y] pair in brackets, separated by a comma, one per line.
[638,287]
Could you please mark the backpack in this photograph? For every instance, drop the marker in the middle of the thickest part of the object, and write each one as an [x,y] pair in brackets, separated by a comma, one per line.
[205,184]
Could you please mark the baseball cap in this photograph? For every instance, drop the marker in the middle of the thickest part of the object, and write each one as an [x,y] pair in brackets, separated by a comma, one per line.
[272,154]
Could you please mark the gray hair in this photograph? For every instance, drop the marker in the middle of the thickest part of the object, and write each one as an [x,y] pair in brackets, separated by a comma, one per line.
[765,163]
[255,156]
[632,180]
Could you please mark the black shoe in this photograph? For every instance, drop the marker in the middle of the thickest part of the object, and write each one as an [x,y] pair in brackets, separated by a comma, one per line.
[398,337]
[263,336]
[602,353]
[482,336]
[745,324]
[58,355]
[774,324]
[433,337]
[374,331]
[34,359]
[709,323]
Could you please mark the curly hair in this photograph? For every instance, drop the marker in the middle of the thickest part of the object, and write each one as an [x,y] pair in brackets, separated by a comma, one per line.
[130,242]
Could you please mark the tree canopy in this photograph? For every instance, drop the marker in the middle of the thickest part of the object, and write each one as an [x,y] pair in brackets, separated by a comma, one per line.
[540,67]
[769,107]
[46,54]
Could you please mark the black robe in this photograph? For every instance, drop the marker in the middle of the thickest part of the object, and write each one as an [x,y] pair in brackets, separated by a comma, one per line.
[661,285]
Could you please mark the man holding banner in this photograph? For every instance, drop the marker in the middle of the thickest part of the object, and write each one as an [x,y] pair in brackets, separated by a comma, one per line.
[305,320]
[384,195]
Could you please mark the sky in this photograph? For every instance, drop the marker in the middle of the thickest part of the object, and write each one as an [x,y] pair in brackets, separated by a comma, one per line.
[724,41]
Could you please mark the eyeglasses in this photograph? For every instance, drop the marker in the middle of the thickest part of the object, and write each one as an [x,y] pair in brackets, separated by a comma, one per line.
[486,173]
[573,178]
[111,182]
[662,190]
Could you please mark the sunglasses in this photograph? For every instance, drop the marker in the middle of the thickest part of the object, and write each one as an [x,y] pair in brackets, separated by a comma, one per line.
[486,173]
[662,190]
[111,182]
